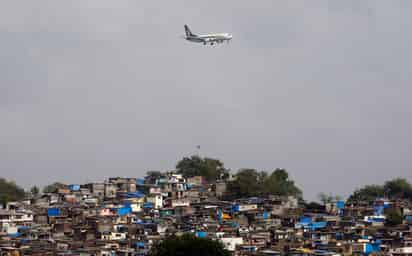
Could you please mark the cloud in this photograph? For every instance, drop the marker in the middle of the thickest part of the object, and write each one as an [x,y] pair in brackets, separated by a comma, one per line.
[92,89]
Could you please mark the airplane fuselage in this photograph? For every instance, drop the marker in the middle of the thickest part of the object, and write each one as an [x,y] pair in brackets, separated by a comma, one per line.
[208,38]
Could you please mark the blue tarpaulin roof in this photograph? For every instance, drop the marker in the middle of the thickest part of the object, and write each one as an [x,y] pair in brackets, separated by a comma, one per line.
[140,244]
[53,212]
[372,247]
[139,221]
[318,225]
[376,219]
[305,220]
[378,210]
[219,215]
[235,207]
[136,194]
[14,235]
[148,205]
[123,211]
[74,187]
[340,204]
[201,234]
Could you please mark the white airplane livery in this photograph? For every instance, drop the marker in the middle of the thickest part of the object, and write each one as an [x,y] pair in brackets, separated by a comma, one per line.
[209,38]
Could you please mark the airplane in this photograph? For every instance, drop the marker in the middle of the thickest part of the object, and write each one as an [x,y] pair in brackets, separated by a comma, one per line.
[209,38]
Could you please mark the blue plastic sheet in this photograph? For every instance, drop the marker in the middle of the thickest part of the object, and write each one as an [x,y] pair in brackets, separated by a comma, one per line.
[51,212]
[318,225]
[148,205]
[372,247]
[305,220]
[140,245]
[220,215]
[136,194]
[235,208]
[201,234]
[74,187]
[124,211]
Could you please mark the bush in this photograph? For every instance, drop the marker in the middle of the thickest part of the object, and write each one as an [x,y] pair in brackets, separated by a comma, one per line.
[9,191]
[393,217]
[188,245]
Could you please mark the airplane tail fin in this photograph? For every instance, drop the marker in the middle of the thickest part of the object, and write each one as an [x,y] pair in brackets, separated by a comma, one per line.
[188,32]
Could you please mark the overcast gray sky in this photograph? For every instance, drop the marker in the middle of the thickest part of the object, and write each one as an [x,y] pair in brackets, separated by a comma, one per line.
[93,89]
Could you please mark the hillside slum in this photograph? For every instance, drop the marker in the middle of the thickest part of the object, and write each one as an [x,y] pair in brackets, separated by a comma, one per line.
[126,216]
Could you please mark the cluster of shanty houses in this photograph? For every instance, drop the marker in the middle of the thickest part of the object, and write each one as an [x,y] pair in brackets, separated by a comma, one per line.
[126,216]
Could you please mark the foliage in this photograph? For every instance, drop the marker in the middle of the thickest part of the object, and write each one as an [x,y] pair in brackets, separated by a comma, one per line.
[52,188]
[398,188]
[35,191]
[188,244]
[9,191]
[211,169]
[368,193]
[393,217]
[249,182]
[278,183]
[154,174]
[328,198]
[315,207]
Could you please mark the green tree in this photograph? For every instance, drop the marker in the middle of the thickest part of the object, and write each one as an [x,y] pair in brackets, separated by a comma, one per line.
[35,191]
[154,174]
[325,198]
[9,191]
[211,169]
[393,217]
[52,188]
[314,207]
[368,193]
[188,244]
[278,183]
[328,198]
[249,182]
[398,188]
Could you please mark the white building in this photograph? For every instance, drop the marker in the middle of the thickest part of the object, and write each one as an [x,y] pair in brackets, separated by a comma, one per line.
[156,200]
[230,243]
